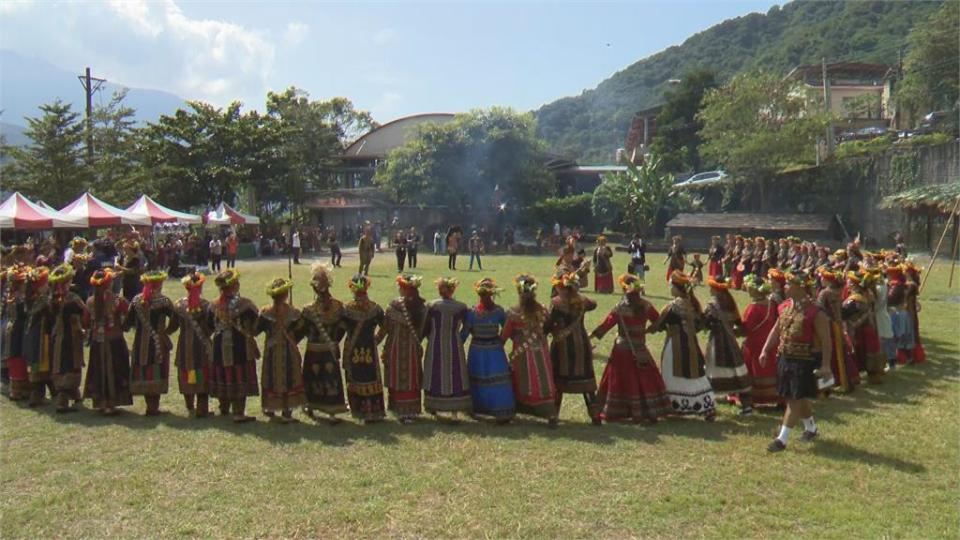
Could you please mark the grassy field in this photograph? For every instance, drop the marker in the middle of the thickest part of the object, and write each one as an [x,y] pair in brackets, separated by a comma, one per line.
[885,466]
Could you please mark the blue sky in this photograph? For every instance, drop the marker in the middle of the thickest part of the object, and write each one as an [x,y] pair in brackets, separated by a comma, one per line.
[392,58]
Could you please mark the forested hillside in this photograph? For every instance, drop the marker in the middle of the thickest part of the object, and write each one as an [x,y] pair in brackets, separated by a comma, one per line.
[591,126]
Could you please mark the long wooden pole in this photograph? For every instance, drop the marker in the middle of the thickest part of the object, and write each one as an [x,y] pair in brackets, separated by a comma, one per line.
[956,245]
[940,243]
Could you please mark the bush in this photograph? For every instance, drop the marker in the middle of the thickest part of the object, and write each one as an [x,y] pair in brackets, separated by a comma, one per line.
[569,211]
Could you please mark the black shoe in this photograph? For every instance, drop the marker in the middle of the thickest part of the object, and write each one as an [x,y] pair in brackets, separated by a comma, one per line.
[776,446]
[809,435]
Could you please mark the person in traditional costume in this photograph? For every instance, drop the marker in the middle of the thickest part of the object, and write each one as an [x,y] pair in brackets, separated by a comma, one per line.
[631,387]
[801,340]
[15,314]
[716,255]
[131,266]
[194,355]
[403,328]
[322,377]
[758,320]
[281,375]
[446,379]
[777,280]
[400,247]
[830,300]
[603,268]
[570,351]
[361,318]
[582,266]
[727,261]
[881,313]
[37,341]
[861,326]
[84,266]
[490,384]
[235,353]
[725,366]
[681,362]
[696,270]
[153,318]
[913,311]
[531,368]
[759,249]
[108,371]
[68,312]
[736,269]
[676,257]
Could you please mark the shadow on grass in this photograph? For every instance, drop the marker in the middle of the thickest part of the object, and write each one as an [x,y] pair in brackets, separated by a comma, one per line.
[906,386]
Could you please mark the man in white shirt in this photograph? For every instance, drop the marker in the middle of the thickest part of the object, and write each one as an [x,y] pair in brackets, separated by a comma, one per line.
[295,243]
[216,253]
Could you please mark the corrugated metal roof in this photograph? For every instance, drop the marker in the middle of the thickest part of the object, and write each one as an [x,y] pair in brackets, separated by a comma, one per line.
[769,222]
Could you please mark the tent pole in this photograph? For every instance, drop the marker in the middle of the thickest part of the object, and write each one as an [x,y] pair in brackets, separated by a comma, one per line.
[940,243]
[956,245]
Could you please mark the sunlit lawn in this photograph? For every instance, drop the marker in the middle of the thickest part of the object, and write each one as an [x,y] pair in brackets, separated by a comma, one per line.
[886,464]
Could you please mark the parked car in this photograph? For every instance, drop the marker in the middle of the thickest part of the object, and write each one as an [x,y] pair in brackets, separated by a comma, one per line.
[863,134]
[934,122]
[704,178]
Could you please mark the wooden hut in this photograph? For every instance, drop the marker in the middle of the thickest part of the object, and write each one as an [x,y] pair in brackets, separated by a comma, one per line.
[930,204]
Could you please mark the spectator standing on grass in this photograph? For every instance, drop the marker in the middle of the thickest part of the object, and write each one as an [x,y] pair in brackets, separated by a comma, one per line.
[334,245]
[295,244]
[436,242]
[476,248]
[216,253]
[232,250]
[413,246]
[638,256]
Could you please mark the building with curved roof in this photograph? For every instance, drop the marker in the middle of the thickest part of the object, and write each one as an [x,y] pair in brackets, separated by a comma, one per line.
[378,142]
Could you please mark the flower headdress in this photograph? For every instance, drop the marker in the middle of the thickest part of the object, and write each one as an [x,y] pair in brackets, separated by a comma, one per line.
[525,283]
[38,276]
[193,280]
[101,278]
[79,243]
[717,285]
[278,287]
[447,283]
[486,286]
[566,280]
[321,276]
[798,278]
[227,278]
[775,274]
[680,280]
[359,283]
[62,274]
[155,276]
[828,276]
[630,283]
[756,286]
[409,281]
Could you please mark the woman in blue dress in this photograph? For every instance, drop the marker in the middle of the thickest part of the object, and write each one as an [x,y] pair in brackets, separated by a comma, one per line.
[490,383]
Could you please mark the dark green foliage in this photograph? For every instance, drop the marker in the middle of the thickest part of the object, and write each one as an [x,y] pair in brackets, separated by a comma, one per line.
[591,126]
[677,140]
[573,210]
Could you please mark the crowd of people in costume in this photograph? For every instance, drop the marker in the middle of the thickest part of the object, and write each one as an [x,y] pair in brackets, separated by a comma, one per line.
[809,329]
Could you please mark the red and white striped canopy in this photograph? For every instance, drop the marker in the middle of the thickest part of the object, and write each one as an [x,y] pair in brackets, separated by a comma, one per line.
[225,215]
[100,214]
[157,213]
[17,212]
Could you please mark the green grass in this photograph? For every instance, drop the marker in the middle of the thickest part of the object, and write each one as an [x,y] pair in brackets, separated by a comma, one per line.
[885,466]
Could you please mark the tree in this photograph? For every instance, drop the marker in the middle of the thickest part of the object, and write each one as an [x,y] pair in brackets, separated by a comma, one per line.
[636,198]
[52,166]
[932,65]
[756,125]
[114,168]
[482,159]
[678,140]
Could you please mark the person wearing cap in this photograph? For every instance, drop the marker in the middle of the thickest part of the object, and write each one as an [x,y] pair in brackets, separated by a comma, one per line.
[724,361]
[830,300]
[801,341]
[108,370]
[446,380]
[570,350]
[631,387]
[194,354]
[602,267]
[361,319]
[322,376]
[67,338]
[37,343]
[281,375]
[152,318]
[490,384]
[15,315]
[234,370]
[402,328]
[759,318]
[531,368]
[861,327]
[681,362]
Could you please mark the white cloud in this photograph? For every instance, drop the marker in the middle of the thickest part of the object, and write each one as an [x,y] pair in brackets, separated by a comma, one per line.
[8,7]
[295,33]
[149,43]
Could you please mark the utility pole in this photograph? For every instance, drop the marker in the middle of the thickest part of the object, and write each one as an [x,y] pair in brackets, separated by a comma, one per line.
[90,85]
[826,105]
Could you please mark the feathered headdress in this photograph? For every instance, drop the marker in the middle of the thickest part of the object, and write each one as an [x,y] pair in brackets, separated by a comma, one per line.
[630,283]
[525,283]
[486,287]
[359,283]
[227,278]
[409,281]
[278,287]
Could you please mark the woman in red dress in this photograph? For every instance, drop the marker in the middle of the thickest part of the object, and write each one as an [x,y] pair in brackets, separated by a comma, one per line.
[857,311]
[603,269]
[631,387]
[759,318]
[716,254]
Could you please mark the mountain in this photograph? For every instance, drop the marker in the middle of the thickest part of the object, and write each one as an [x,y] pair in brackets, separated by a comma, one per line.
[26,83]
[13,134]
[591,126]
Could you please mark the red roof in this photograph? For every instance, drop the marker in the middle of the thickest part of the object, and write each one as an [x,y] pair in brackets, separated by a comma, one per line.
[17,212]
[147,207]
[100,214]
